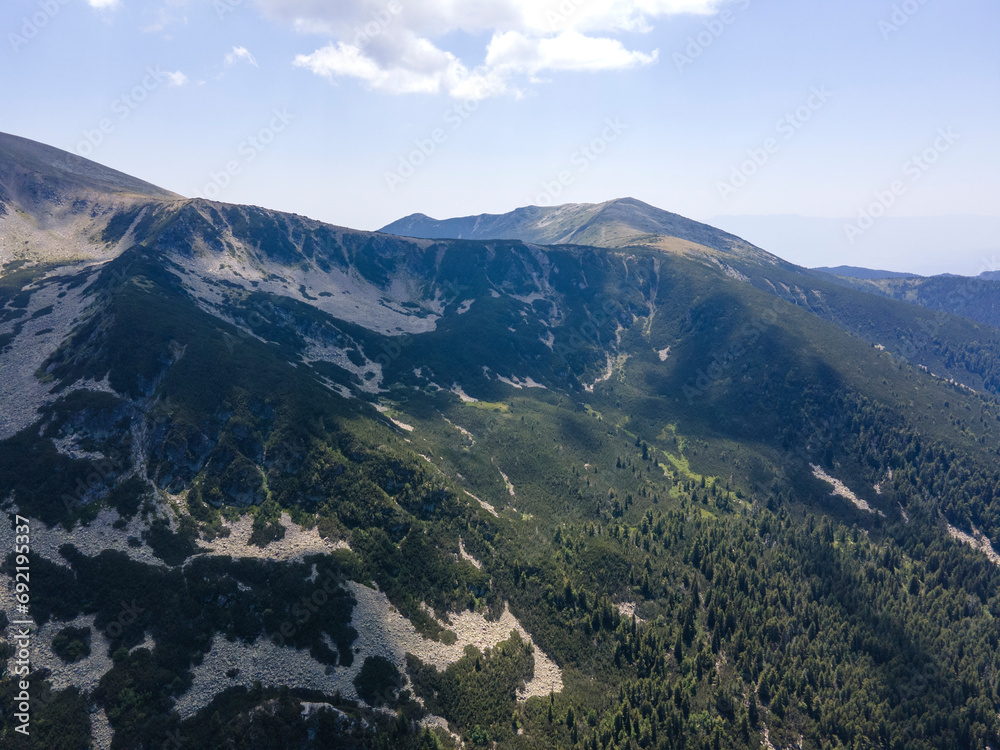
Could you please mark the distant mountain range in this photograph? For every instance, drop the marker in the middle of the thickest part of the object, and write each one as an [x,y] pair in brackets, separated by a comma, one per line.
[854,272]
[976,298]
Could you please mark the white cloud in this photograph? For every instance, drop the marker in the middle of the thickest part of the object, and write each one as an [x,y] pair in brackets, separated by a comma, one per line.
[391,46]
[424,70]
[432,18]
[176,78]
[103,4]
[343,60]
[569,50]
[240,54]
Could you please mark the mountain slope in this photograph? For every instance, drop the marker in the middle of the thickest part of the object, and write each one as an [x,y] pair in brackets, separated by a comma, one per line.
[346,489]
[55,206]
[32,172]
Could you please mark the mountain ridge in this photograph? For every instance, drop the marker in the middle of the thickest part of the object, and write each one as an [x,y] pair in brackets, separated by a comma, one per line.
[614,223]
[858,272]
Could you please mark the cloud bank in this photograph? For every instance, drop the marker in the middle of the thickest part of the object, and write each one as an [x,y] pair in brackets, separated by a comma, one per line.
[399,48]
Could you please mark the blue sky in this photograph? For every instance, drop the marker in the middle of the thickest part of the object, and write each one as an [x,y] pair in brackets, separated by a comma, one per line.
[358,112]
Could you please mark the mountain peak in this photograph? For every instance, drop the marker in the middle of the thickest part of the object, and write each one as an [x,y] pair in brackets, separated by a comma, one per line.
[614,223]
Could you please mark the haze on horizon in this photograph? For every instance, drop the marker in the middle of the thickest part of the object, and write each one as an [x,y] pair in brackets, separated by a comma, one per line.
[737,113]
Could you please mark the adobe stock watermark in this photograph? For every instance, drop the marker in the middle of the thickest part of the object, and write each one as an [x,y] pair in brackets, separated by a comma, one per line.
[128,614]
[714,28]
[424,148]
[785,128]
[102,477]
[32,25]
[588,333]
[900,16]
[174,740]
[223,8]
[304,610]
[124,105]
[379,22]
[249,149]
[724,358]
[580,159]
[558,16]
[914,169]
[389,350]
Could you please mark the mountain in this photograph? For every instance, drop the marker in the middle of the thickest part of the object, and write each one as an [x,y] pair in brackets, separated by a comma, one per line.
[990,275]
[949,346]
[615,223]
[52,203]
[974,298]
[854,272]
[293,484]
